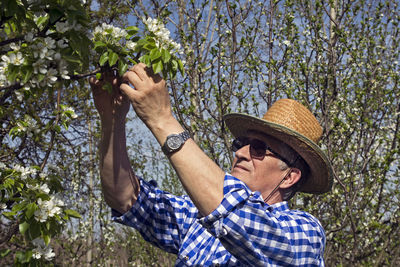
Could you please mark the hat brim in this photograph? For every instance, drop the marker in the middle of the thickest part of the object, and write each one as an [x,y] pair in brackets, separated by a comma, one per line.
[321,174]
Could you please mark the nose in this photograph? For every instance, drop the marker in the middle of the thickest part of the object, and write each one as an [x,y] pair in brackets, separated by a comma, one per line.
[243,153]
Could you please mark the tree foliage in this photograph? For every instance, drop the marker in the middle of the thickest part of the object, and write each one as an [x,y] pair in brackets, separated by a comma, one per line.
[339,58]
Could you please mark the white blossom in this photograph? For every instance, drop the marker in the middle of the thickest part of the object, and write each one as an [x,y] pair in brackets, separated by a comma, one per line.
[42,250]
[109,30]
[19,95]
[286,42]
[62,70]
[48,208]
[3,206]
[14,59]
[62,27]
[39,66]
[71,111]
[62,43]
[29,37]
[50,78]
[163,35]
[130,45]
[25,171]
[36,254]
[44,188]
[50,42]
[15,46]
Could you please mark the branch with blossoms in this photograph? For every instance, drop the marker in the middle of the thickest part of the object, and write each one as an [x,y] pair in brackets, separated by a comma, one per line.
[46,46]
[39,212]
[120,47]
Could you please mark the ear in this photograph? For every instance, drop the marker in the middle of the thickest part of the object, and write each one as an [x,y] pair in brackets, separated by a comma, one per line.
[291,178]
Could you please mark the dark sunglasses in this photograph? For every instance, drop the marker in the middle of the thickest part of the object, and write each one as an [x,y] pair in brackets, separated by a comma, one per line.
[258,148]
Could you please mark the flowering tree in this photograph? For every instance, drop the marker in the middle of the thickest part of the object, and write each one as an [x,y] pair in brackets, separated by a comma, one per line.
[46,51]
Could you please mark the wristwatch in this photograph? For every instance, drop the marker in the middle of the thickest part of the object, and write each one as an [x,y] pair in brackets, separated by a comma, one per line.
[174,142]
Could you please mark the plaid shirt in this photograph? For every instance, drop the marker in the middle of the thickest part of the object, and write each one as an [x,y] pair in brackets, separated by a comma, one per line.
[242,231]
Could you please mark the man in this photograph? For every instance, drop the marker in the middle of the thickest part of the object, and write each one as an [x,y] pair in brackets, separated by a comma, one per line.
[237,219]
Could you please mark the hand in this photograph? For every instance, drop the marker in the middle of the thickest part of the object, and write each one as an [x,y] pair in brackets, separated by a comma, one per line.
[149,97]
[111,107]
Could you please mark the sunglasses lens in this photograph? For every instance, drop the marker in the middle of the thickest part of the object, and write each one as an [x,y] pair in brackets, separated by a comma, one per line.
[238,143]
[258,148]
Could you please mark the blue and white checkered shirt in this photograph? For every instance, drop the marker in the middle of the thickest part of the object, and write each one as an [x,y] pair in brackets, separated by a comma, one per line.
[242,231]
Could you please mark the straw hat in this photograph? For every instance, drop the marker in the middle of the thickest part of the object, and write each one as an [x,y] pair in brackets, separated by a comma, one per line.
[292,123]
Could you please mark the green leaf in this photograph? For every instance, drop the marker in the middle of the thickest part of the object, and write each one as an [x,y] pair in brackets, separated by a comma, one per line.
[174,65]
[157,66]
[27,74]
[30,210]
[72,213]
[122,67]
[55,14]
[103,58]
[72,59]
[46,239]
[12,74]
[165,55]
[98,76]
[145,59]
[112,58]
[20,206]
[99,44]
[41,21]
[132,30]
[155,54]
[23,227]
[10,215]
[180,67]
[4,252]
[57,128]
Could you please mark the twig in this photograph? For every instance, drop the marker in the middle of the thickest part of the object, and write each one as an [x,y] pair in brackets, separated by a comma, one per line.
[53,132]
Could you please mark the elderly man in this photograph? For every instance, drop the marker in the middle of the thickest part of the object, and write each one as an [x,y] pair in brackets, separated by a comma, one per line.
[236,219]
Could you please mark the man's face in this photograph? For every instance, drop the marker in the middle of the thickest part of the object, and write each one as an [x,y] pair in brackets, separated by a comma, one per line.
[261,175]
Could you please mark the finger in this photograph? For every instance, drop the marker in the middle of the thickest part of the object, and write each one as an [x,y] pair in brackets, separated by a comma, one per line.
[93,81]
[138,70]
[129,91]
[133,78]
[145,73]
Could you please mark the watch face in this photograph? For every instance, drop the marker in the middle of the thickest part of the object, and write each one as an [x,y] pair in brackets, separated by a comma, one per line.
[174,142]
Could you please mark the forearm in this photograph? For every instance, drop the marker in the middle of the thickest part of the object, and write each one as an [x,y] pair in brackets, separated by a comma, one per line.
[119,183]
[199,175]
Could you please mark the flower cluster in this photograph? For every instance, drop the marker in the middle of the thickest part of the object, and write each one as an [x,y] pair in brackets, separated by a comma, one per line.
[42,188]
[27,126]
[25,171]
[109,33]
[48,208]
[41,250]
[39,61]
[162,34]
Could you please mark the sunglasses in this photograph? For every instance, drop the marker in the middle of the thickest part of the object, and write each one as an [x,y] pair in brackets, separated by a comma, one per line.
[258,148]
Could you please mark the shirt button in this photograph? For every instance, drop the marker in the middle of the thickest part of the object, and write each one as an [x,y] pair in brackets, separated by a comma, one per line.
[186,258]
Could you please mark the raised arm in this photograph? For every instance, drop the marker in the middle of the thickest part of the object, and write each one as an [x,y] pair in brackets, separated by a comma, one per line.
[200,176]
[119,183]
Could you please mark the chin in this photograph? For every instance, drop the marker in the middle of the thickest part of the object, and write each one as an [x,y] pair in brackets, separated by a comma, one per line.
[241,176]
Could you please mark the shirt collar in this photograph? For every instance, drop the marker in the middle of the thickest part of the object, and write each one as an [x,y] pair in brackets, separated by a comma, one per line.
[280,206]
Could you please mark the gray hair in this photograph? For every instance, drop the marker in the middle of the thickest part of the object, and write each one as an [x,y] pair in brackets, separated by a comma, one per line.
[296,162]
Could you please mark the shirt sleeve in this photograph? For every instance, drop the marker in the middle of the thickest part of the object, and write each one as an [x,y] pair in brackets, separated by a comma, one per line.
[257,233]
[161,218]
